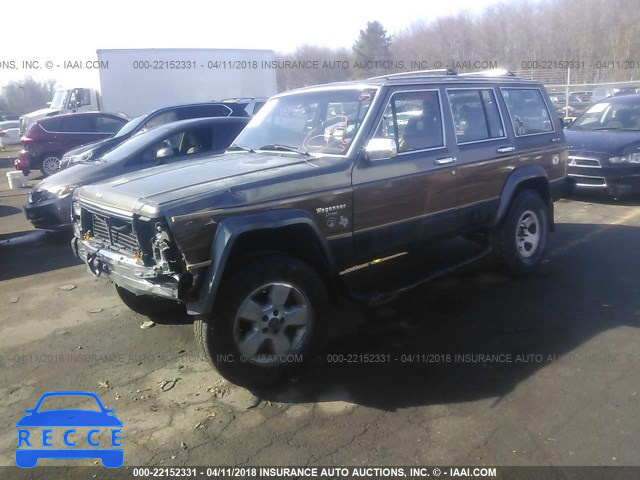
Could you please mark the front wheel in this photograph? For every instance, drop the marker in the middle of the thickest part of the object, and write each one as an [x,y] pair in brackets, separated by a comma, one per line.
[521,239]
[265,322]
[50,165]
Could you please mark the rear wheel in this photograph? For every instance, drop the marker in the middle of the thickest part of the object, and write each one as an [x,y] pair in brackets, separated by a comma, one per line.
[521,239]
[50,165]
[266,321]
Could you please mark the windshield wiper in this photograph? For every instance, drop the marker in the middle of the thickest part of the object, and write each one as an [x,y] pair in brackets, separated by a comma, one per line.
[240,147]
[285,148]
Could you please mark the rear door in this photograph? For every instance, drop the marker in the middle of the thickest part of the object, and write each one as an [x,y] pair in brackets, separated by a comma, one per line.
[77,130]
[485,154]
[401,200]
[538,135]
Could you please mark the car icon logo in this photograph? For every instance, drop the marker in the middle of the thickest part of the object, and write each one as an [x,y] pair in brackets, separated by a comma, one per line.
[69,433]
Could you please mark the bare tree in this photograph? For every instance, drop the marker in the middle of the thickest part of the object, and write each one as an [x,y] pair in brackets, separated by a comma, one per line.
[26,96]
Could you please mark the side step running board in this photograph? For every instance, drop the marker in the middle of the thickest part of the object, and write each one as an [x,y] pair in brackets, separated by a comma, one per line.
[378,298]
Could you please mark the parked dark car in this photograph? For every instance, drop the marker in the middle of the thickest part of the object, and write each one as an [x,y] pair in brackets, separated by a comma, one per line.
[47,139]
[604,147]
[320,184]
[49,205]
[150,120]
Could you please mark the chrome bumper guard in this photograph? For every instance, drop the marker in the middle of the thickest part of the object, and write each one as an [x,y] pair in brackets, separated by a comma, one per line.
[125,271]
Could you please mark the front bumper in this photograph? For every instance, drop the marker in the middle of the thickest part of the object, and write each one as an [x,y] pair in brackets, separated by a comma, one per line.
[53,214]
[618,181]
[126,272]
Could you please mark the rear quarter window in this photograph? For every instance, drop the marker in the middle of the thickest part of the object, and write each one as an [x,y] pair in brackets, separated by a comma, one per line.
[528,111]
[51,124]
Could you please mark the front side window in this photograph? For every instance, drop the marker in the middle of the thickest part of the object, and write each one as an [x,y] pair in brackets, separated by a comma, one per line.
[475,115]
[320,122]
[106,124]
[528,111]
[413,120]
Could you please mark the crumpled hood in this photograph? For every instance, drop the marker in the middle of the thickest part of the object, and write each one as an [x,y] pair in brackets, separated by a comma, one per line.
[237,177]
[610,142]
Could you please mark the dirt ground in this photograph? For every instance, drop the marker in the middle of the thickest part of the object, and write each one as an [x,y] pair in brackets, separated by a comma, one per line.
[561,388]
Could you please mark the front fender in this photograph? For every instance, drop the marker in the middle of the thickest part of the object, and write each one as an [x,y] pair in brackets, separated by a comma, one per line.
[228,232]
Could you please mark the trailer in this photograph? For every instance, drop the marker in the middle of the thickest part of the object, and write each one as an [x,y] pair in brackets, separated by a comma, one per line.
[136,81]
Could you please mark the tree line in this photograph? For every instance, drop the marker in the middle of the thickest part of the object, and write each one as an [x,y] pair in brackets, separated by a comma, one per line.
[27,95]
[598,39]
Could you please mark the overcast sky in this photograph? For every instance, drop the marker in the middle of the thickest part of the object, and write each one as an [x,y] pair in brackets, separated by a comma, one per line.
[75,29]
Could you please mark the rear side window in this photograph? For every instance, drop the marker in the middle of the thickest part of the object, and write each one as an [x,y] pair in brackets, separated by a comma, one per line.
[475,115]
[51,125]
[528,111]
[79,124]
[108,124]
[414,120]
[201,111]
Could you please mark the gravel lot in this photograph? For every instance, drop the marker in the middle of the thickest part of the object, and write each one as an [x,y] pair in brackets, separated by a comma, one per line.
[568,396]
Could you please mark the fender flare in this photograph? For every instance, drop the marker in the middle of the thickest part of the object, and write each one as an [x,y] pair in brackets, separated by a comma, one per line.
[228,232]
[516,178]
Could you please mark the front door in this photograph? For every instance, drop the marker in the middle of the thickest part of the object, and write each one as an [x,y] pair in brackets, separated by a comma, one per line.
[399,200]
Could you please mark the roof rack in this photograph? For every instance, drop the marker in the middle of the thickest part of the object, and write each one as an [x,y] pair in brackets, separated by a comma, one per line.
[417,73]
[494,72]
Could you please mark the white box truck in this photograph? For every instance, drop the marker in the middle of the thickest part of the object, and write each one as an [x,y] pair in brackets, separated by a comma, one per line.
[136,81]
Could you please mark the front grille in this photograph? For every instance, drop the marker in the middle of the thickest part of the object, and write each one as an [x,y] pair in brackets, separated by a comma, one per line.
[115,232]
[584,162]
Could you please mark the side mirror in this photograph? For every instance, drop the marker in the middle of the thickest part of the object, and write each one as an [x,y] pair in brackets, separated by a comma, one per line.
[381,148]
[164,153]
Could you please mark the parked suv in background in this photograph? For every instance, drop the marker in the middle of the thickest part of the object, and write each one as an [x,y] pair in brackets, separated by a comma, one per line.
[48,138]
[257,242]
[148,121]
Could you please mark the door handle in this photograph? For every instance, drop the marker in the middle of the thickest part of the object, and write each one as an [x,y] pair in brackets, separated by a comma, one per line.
[445,161]
[506,149]
[554,140]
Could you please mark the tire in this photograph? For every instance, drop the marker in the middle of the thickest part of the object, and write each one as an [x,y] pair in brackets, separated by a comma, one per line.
[50,165]
[282,327]
[520,240]
[147,305]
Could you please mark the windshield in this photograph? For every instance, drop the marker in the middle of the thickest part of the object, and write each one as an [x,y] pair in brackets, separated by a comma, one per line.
[130,126]
[609,116]
[321,122]
[59,99]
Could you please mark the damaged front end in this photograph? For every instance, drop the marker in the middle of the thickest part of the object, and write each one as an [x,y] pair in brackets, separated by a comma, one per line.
[132,251]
